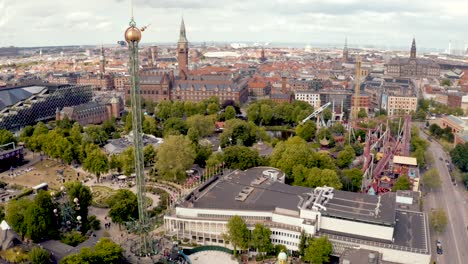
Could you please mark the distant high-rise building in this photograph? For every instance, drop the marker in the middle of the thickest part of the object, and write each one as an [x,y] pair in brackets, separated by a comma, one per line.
[102,61]
[345,51]
[182,52]
[262,56]
[413,50]
[412,66]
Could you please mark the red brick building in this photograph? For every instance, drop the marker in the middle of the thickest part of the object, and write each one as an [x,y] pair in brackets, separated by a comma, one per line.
[92,112]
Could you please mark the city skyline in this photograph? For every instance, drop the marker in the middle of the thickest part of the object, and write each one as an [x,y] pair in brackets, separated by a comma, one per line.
[364,23]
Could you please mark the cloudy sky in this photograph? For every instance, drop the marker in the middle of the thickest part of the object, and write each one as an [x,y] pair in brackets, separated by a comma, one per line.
[380,23]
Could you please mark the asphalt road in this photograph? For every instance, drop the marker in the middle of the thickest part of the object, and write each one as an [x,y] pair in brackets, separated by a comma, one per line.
[454,200]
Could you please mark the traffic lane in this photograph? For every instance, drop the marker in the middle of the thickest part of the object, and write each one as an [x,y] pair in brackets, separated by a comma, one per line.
[449,199]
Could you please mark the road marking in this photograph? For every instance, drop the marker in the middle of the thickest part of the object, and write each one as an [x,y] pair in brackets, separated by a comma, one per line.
[452,229]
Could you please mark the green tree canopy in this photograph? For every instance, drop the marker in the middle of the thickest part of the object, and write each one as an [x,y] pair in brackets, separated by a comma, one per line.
[438,220]
[15,215]
[238,233]
[240,157]
[229,113]
[238,132]
[104,252]
[95,134]
[175,126]
[6,137]
[123,206]
[431,179]
[96,162]
[261,238]
[83,193]
[307,130]
[38,255]
[204,125]
[459,156]
[290,153]
[345,157]
[318,250]
[174,157]
[150,126]
[150,155]
[127,160]
[351,179]
[402,183]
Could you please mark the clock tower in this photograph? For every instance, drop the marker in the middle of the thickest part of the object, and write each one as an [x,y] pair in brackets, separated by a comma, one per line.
[182,52]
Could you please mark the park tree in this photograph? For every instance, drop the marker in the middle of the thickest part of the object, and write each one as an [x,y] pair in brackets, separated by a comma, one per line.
[351,179]
[261,238]
[212,108]
[40,129]
[36,228]
[240,157]
[266,114]
[337,128]
[292,152]
[123,206]
[115,163]
[431,179]
[362,113]
[174,157]
[104,252]
[163,110]
[77,190]
[46,213]
[215,159]
[315,177]
[318,251]
[229,113]
[307,130]
[150,126]
[345,157]
[150,155]
[204,125]
[6,137]
[38,255]
[97,163]
[193,135]
[303,241]
[238,233]
[174,126]
[459,156]
[402,183]
[128,122]
[238,132]
[95,134]
[26,133]
[76,136]
[438,220]
[109,126]
[127,160]
[327,114]
[203,152]
[15,215]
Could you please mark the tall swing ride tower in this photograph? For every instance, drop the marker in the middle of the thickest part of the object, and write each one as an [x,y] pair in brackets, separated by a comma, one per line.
[142,226]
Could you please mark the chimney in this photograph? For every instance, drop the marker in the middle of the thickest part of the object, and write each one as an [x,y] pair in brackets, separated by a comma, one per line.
[283,84]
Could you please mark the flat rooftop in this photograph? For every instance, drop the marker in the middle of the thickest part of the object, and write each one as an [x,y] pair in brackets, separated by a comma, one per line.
[221,193]
[411,230]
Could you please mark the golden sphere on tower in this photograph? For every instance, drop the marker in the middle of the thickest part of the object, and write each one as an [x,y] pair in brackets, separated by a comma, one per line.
[132,34]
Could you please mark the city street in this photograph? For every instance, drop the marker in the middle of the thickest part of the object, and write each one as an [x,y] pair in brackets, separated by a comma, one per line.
[454,200]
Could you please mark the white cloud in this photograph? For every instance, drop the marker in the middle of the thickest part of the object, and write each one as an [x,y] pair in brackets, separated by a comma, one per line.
[364,22]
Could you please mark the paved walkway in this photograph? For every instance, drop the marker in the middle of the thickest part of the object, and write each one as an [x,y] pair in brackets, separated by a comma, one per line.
[211,257]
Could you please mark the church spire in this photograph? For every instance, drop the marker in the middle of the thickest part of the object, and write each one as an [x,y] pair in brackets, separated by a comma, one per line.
[182,36]
[413,49]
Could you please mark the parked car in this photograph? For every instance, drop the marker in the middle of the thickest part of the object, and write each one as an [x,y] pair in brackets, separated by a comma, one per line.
[439,247]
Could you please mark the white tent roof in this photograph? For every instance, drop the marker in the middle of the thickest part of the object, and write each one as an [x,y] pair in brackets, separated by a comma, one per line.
[4,225]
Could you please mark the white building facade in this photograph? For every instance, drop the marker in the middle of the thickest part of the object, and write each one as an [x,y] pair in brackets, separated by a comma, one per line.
[313,98]
[350,220]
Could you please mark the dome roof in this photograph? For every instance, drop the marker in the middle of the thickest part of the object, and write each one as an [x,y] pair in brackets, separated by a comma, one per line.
[132,34]
[282,256]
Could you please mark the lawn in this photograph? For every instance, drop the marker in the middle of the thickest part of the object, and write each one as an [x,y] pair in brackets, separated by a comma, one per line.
[101,194]
[45,171]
